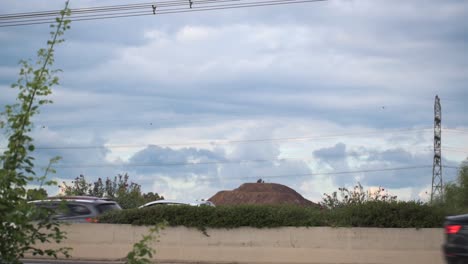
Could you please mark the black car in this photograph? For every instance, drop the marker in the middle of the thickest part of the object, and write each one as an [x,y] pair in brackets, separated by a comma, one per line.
[77,208]
[456,242]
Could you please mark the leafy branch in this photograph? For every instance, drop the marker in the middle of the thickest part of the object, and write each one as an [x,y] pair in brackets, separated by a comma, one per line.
[142,251]
[18,233]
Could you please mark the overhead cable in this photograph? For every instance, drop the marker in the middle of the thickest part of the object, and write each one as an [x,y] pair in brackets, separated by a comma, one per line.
[227,142]
[206,5]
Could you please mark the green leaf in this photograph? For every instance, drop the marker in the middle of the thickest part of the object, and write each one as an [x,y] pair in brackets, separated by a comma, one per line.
[17,168]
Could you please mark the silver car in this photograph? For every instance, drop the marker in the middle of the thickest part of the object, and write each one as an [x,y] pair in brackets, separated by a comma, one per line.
[77,208]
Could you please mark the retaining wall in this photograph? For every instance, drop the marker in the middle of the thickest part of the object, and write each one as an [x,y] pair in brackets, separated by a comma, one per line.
[250,245]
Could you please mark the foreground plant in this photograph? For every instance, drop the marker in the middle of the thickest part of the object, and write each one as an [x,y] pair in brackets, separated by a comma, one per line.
[456,192]
[356,195]
[19,234]
[142,251]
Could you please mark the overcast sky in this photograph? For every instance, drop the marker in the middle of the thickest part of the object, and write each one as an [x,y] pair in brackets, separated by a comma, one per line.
[191,104]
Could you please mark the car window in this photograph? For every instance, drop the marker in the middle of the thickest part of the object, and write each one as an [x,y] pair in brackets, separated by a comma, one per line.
[59,209]
[55,206]
[45,209]
[104,207]
[76,210]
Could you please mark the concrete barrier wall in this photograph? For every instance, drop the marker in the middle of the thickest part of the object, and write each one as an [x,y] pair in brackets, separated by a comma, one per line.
[251,245]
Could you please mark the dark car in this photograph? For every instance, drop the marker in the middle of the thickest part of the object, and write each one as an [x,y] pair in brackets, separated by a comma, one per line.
[77,208]
[456,242]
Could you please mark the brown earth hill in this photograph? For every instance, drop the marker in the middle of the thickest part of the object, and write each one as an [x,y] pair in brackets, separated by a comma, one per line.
[260,193]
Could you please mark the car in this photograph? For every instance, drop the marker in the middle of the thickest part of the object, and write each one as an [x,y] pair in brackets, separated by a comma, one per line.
[456,239]
[174,202]
[77,209]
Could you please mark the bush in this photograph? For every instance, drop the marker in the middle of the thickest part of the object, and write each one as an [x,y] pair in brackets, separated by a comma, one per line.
[368,214]
[217,217]
[456,193]
[389,215]
[355,195]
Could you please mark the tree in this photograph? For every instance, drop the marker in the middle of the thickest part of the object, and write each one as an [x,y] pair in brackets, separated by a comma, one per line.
[357,195]
[456,193]
[36,194]
[18,235]
[79,187]
[127,194]
[149,197]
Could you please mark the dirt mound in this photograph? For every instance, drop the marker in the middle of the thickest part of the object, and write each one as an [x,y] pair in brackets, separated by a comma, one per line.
[260,193]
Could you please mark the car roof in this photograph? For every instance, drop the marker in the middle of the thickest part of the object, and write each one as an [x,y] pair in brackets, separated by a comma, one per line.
[193,203]
[81,199]
[463,218]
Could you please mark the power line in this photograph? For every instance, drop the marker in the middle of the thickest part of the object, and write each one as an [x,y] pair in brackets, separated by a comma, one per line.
[322,173]
[316,174]
[319,173]
[177,164]
[451,167]
[164,11]
[219,162]
[96,9]
[182,164]
[54,13]
[271,176]
[446,149]
[340,172]
[44,123]
[455,130]
[458,151]
[227,142]
[102,12]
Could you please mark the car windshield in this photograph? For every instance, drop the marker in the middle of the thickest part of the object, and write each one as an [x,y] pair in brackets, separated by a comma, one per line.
[102,208]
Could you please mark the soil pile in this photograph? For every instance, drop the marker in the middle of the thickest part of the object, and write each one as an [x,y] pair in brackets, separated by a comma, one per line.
[260,193]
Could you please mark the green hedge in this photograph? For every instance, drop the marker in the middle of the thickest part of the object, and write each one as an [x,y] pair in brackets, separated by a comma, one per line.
[369,214]
[384,214]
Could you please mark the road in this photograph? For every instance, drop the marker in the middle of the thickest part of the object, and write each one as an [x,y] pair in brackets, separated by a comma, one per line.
[36,261]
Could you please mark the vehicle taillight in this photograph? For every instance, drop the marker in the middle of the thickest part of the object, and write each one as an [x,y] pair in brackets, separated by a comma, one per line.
[91,220]
[452,229]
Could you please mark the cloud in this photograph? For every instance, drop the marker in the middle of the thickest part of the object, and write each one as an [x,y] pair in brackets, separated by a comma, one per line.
[335,153]
[75,160]
[406,169]
[334,159]
[294,66]
[334,67]
[206,172]
[159,155]
[291,73]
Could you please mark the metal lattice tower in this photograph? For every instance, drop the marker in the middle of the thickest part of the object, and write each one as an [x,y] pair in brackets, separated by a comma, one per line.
[437,187]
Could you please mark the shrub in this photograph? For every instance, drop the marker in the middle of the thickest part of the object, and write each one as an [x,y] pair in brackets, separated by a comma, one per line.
[456,193]
[217,217]
[367,214]
[385,214]
[356,195]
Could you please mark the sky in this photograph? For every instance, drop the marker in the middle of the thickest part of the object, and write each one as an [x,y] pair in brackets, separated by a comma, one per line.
[315,96]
